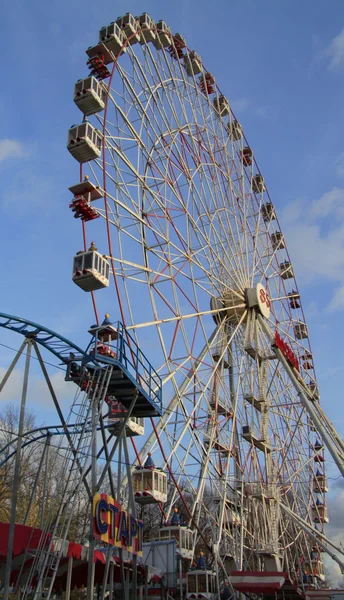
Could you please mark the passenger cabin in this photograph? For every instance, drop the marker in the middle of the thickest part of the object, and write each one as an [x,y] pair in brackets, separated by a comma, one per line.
[234,131]
[147,25]
[319,512]
[201,584]
[130,26]
[85,192]
[277,241]
[113,37]
[320,483]
[90,270]
[117,414]
[221,105]
[84,142]
[163,35]
[286,270]
[206,83]
[300,331]
[307,361]
[313,389]
[294,297]
[246,156]
[192,63]
[314,567]
[176,49]
[258,184]
[268,212]
[89,96]
[318,446]
[250,436]
[149,483]
[184,537]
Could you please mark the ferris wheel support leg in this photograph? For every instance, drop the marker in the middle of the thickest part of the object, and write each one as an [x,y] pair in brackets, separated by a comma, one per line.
[91,565]
[17,465]
[34,487]
[133,511]
[170,408]
[12,365]
[114,448]
[307,403]
[314,534]
[59,412]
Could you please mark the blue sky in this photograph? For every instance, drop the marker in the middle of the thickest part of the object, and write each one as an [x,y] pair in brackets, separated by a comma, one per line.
[281,66]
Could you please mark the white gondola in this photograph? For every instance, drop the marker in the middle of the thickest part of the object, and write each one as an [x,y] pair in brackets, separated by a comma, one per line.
[221,105]
[163,35]
[313,389]
[286,270]
[201,584]
[184,537]
[89,95]
[319,513]
[300,331]
[192,63]
[130,26]
[90,270]
[113,37]
[320,484]
[234,130]
[277,241]
[117,413]
[268,212]
[147,25]
[84,142]
[258,184]
[149,484]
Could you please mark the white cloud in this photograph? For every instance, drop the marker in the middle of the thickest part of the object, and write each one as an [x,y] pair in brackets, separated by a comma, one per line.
[38,395]
[340,165]
[240,105]
[330,203]
[315,234]
[335,532]
[337,302]
[11,149]
[335,51]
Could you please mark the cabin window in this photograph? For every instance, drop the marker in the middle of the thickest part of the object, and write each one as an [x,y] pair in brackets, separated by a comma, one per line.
[192,585]
[88,260]
[147,481]
[202,583]
[78,263]
[96,262]
[137,483]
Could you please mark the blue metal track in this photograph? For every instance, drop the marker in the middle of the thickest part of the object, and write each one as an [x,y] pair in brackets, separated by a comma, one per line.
[55,343]
[42,433]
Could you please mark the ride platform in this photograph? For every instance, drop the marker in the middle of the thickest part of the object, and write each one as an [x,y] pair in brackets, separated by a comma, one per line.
[133,377]
[272,584]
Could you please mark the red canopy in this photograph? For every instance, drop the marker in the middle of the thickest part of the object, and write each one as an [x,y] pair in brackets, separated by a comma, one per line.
[26,538]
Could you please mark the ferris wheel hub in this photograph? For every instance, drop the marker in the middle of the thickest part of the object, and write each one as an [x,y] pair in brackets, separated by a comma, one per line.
[233,304]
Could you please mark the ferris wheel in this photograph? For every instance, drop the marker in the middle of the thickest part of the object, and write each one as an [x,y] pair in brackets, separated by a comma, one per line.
[197,270]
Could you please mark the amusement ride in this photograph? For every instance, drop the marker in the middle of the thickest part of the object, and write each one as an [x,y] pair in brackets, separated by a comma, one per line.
[197,394]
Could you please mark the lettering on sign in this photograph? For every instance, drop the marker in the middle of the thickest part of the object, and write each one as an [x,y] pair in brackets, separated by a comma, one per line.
[264,297]
[286,351]
[115,526]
